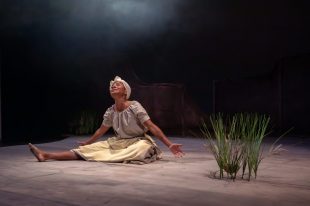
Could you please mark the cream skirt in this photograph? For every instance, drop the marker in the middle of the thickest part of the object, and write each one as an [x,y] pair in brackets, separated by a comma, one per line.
[137,150]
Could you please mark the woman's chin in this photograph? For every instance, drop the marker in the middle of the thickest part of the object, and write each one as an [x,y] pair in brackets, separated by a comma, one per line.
[114,92]
[116,95]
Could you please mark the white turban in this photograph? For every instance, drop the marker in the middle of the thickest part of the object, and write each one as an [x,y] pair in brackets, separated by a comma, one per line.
[126,85]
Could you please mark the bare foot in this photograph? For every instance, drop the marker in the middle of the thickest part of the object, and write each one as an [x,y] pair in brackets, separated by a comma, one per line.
[36,152]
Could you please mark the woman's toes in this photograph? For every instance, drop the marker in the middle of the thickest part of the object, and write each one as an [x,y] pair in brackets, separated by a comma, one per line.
[36,152]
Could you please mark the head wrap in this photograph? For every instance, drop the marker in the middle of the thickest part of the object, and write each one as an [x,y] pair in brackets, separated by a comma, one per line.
[126,85]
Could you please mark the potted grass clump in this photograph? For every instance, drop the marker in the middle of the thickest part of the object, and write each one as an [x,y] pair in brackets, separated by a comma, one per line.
[236,142]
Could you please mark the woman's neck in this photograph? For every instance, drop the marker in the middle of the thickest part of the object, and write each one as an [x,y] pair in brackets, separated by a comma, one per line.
[121,104]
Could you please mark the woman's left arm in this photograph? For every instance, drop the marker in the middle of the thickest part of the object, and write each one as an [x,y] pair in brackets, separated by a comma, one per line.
[156,131]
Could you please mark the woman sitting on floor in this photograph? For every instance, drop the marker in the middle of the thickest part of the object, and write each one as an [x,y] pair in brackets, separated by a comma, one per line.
[130,122]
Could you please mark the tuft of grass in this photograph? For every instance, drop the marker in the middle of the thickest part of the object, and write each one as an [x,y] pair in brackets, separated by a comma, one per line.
[253,130]
[224,144]
[236,142]
[85,122]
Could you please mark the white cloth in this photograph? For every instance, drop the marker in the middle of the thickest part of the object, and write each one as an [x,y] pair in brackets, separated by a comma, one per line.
[126,85]
[127,123]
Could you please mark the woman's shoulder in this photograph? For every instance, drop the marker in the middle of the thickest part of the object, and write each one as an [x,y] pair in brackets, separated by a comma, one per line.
[109,112]
[135,104]
[137,107]
[110,109]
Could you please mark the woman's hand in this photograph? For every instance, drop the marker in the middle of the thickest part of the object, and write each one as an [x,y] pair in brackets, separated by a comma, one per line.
[176,150]
[99,132]
[82,143]
[156,131]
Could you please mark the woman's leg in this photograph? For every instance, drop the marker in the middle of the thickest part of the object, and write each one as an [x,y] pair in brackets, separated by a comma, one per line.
[42,155]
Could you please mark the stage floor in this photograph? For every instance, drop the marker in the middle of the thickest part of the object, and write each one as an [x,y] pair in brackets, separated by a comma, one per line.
[283,179]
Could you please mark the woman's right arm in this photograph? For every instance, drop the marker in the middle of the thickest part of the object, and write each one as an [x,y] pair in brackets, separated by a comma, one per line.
[99,132]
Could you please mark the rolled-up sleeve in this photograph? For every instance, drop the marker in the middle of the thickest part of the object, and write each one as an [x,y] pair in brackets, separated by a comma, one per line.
[140,112]
[107,118]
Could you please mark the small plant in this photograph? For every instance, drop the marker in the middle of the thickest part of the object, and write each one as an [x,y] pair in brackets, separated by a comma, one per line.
[227,147]
[236,142]
[85,122]
[253,130]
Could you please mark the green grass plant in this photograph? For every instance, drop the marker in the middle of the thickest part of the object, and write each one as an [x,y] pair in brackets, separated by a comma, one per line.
[253,130]
[85,122]
[236,142]
[225,146]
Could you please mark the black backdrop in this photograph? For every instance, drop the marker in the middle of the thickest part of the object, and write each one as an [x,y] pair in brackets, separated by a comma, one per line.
[57,57]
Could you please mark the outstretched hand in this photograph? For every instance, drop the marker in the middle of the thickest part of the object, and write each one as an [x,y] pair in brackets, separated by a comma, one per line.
[176,150]
[82,143]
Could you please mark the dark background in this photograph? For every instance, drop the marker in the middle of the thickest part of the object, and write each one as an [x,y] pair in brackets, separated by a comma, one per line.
[57,57]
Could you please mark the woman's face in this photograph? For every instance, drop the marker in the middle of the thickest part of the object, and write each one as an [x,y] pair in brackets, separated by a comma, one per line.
[117,89]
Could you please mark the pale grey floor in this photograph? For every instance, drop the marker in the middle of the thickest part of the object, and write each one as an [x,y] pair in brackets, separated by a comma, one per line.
[283,179]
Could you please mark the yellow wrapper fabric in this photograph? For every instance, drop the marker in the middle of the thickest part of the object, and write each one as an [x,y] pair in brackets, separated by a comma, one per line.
[137,150]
